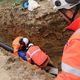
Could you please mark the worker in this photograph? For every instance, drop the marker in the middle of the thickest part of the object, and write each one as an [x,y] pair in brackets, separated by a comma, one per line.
[31,53]
[69,9]
[71,55]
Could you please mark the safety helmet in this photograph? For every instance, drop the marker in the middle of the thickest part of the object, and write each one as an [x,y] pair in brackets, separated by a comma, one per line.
[64,4]
[31,44]
[24,41]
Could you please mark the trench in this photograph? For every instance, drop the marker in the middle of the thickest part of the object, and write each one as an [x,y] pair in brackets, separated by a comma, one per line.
[43,27]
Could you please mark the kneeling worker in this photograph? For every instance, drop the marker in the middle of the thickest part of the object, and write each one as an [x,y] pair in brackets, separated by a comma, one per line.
[33,54]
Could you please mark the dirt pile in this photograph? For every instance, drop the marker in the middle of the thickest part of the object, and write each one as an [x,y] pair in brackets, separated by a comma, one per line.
[14,69]
[3,73]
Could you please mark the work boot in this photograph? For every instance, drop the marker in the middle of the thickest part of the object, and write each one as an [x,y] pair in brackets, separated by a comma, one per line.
[53,71]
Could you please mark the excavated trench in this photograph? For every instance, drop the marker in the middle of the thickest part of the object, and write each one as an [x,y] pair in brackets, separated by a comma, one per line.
[42,26]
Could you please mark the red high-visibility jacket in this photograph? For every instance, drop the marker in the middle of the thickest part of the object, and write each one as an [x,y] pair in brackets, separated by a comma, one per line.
[71,59]
[38,56]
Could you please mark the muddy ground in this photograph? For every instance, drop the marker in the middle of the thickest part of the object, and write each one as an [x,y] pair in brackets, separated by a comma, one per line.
[42,26]
[13,68]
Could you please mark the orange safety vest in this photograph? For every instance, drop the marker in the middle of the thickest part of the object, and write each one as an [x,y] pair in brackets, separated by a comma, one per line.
[37,56]
[16,45]
[71,59]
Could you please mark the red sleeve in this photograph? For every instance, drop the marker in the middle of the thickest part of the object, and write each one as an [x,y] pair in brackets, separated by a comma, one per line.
[27,55]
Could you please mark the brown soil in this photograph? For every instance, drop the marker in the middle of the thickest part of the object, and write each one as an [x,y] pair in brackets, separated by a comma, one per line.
[15,69]
[42,26]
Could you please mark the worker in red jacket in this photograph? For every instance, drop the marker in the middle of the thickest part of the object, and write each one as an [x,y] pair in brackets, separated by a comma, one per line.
[71,55]
[70,64]
[31,53]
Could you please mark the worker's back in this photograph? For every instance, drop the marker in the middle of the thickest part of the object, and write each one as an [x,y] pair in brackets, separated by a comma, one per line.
[71,59]
[37,55]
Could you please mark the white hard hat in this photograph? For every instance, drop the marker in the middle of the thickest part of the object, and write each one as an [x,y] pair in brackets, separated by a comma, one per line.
[64,4]
[31,44]
[25,40]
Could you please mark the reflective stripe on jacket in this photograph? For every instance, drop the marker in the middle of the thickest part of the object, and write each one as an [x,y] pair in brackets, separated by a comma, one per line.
[71,59]
[37,55]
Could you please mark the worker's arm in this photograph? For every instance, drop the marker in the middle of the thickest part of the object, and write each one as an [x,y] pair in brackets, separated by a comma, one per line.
[15,49]
[16,53]
[71,56]
[29,60]
[16,45]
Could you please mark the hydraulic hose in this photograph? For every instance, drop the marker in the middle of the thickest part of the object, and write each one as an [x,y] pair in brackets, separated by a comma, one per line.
[6,47]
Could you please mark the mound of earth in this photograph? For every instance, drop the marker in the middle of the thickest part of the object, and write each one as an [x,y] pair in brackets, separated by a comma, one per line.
[13,68]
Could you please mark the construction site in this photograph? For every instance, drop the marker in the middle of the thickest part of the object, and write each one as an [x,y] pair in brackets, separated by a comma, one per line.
[42,26]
